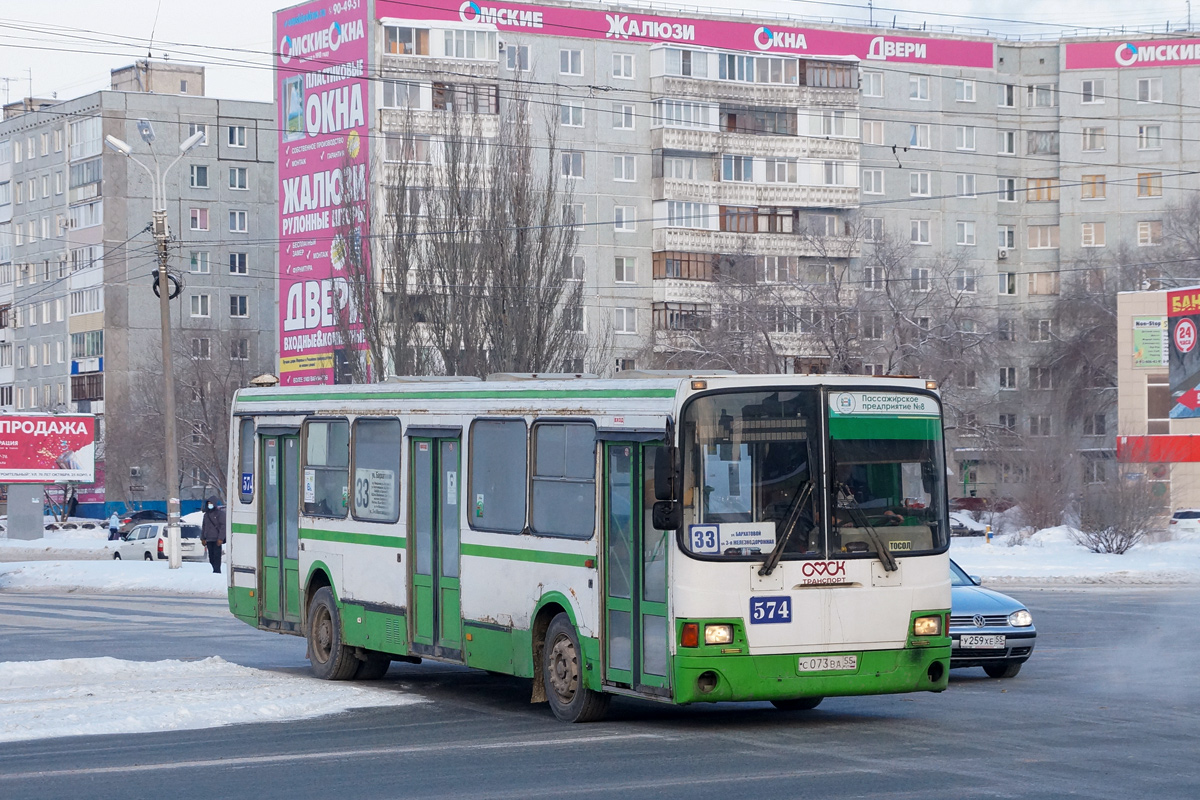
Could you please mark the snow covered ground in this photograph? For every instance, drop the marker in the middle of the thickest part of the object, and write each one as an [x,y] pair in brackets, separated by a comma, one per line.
[88,696]
[112,577]
[1053,556]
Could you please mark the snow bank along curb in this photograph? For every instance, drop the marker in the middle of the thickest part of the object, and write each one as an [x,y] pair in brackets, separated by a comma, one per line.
[112,577]
[92,696]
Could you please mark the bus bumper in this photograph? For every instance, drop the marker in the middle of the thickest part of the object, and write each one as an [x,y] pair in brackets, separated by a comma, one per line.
[718,678]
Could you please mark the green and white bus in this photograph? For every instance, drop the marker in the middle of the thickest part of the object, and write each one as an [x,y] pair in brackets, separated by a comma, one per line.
[680,538]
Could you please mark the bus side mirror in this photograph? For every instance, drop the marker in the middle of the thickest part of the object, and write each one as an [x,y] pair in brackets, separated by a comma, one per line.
[664,475]
[666,515]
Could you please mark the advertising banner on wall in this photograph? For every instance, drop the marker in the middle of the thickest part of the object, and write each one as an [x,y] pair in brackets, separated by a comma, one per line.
[1119,53]
[323,102]
[1183,317]
[47,448]
[754,37]
[1149,342]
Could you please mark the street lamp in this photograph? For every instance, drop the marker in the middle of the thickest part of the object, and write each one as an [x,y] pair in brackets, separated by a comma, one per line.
[162,235]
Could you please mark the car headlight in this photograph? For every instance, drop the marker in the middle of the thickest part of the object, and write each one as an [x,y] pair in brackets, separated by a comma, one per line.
[927,626]
[718,634]
[1020,619]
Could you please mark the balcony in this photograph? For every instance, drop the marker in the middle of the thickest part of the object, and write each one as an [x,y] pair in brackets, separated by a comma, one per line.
[435,122]
[754,194]
[770,94]
[691,240]
[762,146]
[394,67]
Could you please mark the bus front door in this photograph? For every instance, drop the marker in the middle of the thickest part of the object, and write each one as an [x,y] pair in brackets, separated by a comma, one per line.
[635,572]
[436,612]
[279,575]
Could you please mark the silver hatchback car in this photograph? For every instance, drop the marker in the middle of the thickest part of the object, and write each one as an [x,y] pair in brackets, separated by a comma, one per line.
[987,629]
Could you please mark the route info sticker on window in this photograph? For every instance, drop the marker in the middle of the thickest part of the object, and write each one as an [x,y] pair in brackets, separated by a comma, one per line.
[726,536]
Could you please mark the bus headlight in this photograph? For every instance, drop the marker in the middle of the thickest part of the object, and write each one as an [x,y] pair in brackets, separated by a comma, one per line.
[927,626]
[1020,619]
[718,634]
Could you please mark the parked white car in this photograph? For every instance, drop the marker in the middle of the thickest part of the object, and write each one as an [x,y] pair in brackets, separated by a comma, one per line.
[1185,520]
[148,542]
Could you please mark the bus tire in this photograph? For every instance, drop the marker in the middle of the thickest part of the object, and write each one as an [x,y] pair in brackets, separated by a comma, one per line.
[373,667]
[562,676]
[331,659]
[798,703]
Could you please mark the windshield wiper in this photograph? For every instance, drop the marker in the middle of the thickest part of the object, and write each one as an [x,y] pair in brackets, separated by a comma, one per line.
[860,521]
[789,526]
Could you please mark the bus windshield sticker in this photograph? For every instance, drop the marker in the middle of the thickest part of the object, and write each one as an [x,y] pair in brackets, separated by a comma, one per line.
[451,488]
[375,493]
[892,404]
[744,537]
[310,486]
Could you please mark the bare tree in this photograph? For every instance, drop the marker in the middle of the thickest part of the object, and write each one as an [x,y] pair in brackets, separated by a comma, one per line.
[1119,513]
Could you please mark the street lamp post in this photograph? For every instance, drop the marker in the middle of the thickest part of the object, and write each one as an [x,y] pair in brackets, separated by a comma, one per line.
[162,236]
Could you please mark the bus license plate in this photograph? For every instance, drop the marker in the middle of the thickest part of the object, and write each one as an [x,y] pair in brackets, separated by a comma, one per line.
[826,663]
[977,641]
[770,609]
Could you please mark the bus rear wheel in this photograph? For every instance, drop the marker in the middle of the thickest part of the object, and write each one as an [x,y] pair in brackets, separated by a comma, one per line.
[562,676]
[331,659]
[373,667]
[798,704]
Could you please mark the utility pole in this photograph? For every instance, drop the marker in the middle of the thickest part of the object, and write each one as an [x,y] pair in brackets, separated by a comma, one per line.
[162,236]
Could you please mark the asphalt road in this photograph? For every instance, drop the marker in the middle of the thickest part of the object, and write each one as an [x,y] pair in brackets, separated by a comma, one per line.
[1109,707]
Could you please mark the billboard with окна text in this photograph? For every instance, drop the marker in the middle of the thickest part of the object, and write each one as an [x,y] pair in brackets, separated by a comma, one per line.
[47,448]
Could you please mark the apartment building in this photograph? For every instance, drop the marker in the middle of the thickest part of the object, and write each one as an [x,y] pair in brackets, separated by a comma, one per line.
[1018,174]
[79,322]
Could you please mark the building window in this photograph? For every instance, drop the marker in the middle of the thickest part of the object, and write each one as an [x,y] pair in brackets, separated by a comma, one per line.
[739,219]
[1045,283]
[570,114]
[239,349]
[625,218]
[918,137]
[1092,187]
[239,305]
[401,94]
[1039,425]
[964,90]
[572,164]
[517,57]
[1040,330]
[200,305]
[1149,137]
[237,178]
[89,386]
[1091,234]
[872,181]
[918,87]
[201,348]
[1006,190]
[1041,143]
[622,66]
[918,279]
[238,264]
[1007,283]
[1093,139]
[1043,237]
[686,63]
[872,132]
[1149,184]
[199,262]
[570,62]
[835,173]
[964,185]
[682,214]
[1149,233]
[624,168]
[1041,190]
[237,221]
[872,229]
[1149,90]
[872,83]
[1007,422]
[918,184]
[1092,91]
[199,219]
[833,123]
[400,41]
[872,327]
[1094,425]
[573,270]
[1006,143]
[624,320]
[236,135]
[784,170]
[964,137]
[737,168]
[1041,95]
[476,45]
[1008,377]
[201,128]
[573,215]
[685,266]
[199,178]
[919,231]
[965,233]
[964,280]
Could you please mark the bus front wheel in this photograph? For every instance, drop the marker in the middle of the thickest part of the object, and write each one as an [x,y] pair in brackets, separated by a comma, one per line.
[798,704]
[562,676]
[331,659]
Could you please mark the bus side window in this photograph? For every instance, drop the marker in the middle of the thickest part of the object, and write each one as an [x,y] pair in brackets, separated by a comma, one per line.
[496,491]
[376,493]
[326,490]
[246,460]
[564,479]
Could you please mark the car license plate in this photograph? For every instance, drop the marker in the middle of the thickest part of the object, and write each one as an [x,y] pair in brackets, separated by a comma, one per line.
[977,641]
[827,663]
[770,609]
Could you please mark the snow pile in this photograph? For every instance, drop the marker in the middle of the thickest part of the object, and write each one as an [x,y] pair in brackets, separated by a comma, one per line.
[112,577]
[90,696]
[73,543]
[1053,555]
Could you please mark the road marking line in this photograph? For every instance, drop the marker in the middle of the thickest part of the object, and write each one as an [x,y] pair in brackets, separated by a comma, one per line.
[244,761]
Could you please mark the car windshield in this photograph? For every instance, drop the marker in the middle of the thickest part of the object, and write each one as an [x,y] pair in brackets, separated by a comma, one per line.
[958,577]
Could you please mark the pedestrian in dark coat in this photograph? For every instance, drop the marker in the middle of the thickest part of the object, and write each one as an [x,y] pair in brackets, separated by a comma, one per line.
[212,531]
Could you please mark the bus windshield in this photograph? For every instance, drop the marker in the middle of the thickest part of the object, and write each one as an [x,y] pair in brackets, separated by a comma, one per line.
[753,477]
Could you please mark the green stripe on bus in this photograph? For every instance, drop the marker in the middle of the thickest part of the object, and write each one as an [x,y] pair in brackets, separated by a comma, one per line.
[518,554]
[864,427]
[241,527]
[484,394]
[346,537]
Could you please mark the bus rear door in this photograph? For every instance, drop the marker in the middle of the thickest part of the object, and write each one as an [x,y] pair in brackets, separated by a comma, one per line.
[436,611]
[279,585]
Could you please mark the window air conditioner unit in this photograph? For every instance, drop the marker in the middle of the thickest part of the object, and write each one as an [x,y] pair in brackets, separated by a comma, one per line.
[135,472]
[1002,254]
[500,45]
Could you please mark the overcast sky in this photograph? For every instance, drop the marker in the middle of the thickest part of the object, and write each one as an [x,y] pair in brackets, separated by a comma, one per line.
[68,47]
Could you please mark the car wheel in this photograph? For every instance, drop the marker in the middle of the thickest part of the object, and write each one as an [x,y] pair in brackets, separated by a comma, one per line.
[149,557]
[116,556]
[331,659]
[1005,669]
[798,704]
[562,676]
